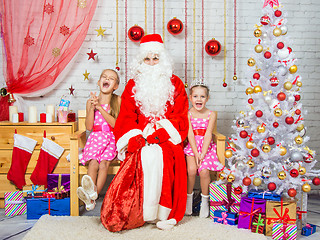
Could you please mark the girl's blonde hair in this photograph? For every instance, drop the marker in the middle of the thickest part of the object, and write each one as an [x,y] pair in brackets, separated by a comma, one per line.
[200,85]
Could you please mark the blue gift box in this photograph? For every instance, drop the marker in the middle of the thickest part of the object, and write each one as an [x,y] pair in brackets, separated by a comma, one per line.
[36,207]
[308,229]
[261,194]
[225,217]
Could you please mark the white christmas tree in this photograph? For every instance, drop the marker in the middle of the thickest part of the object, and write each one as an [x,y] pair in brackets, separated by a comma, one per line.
[269,149]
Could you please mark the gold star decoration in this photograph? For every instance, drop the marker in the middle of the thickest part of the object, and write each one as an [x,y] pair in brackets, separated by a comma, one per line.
[100,31]
[86,75]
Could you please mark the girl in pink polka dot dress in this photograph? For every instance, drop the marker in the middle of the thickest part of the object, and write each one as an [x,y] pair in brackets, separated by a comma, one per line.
[100,148]
[201,151]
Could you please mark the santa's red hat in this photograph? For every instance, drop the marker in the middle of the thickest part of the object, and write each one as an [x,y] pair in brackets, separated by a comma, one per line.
[151,43]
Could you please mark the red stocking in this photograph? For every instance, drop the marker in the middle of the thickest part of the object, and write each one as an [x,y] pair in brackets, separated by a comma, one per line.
[48,158]
[21,154]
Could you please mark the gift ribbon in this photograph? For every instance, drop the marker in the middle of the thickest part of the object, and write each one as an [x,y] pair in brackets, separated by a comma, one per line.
[34,190]
[223,219]
[309,226]
[283,217]
[15,202]
[229,203]
[283,229]
[258,223]
[252,212]
[49,195]
[299,213]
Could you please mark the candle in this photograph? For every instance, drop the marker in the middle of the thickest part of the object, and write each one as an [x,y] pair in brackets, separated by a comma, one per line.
[21,116]
[48,118]
[42,117]
[50,110]
[15,118]
[12,110]
[32,114]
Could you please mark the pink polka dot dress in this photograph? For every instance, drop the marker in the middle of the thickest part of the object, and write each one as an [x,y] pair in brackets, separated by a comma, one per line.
[210,161]
[101,144]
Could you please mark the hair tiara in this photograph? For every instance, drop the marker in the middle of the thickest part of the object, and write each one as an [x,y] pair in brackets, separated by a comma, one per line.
[198,82]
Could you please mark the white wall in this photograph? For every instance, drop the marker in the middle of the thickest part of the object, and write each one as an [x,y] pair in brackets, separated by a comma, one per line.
[303,24]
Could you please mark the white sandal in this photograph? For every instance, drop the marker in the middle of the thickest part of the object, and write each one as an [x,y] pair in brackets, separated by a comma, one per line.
[89,187]
[84,197]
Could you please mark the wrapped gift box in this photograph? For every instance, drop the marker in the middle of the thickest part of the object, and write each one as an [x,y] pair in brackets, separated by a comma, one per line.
[249,207]
[308,229]
[282,231]
[225,217]
[36,207]
[223,197]
[280,212]
[264,195]
[258,223]
[58,182]
[14,204]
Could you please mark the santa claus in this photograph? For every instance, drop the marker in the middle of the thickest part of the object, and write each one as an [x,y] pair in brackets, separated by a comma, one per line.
[151,184]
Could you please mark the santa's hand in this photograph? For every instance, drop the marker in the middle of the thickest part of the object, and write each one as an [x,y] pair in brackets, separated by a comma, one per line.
[159,136]
[136,143]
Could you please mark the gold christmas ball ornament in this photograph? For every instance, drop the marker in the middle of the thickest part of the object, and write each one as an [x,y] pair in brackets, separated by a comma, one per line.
[251,62]
[231,178]
[257,181]
[250,163]
[283,151]
[261,129]
[222,175]
[282,175]
[257,33]
[277,112]
[293,69]
[232,145]
[298,139]
[277,32]
[186,85]
[287,85]
[300,127]
[302,170]
[266,148]
[299,84]
[249,145]
[306,187]
[249,91]
[258,48]
[228,153]
[234,78]
[257,89]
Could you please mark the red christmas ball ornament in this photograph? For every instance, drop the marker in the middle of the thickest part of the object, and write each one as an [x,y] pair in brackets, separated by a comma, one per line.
[267,54]
[272,186]
[255,152]
[243,134]
[289,120]
[118,69]
[281,96]
[265,20]
[274,81]
[238,190]
[277,13]
[250,101]
[271,140]
[246,181]
[292,192]
[224,84]
[259,113]
[294,173]
[280,45]
[275,124]
[175,26]
[316,181]
[135,33]
[298,112]
[256,76]
[213,47]
[297,98]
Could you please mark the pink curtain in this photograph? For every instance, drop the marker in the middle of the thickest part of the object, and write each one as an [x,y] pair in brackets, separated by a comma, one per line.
[40,37]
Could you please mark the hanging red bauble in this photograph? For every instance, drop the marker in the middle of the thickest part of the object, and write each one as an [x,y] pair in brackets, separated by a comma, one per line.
[259,113]
[289,120]
[275,124]
[246,181]
[255,152]
[294,173]
[256,76]
[265,20]
[281,96]
[118,69]
[280,45]
[316,181]
[213,47]
[243,134]
[277,13]
[224,84]
[250,100]
[272,186]
[298,112]
[267,54]
[296,98]
[274,81]
[135,33]
[175,26]
[238,190]
[271,140]
[292,192]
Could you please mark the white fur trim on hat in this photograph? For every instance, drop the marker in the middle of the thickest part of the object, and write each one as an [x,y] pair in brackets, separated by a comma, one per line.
[153,47]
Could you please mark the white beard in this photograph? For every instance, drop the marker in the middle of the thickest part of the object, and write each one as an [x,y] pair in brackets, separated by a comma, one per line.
[153,89]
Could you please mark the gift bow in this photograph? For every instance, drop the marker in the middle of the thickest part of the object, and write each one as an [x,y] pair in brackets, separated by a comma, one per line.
[283,229]
[229,203]
[283,217]
[309,226]
[299,213]
[258,223]
[223,219]
[34,190]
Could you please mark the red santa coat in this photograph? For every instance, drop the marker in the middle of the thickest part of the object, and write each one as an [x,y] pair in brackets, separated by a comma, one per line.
[122,207]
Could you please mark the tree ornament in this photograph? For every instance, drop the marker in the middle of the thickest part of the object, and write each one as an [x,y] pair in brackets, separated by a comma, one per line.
[257,181]
[250,101]
[257,33]
[91,55]
[287,163]
[268,99]
[283,53]
[299,84]
[271,140]
[277,32]
[283,151]
[274,81]
[289,120]
[272,186]
[249,145]
[275,124]
[118,68]
[231,178]
[294,173]
[249,90]
[257,89]
[302,170]
[282,175]
[292,192]
[234,78]
[306,187]
[265,20]
[281,96]
[293,69]
[298,140]
[266,172]
[278,13]
[308,159]
[213,47]
[100,31]
[300,127]
[135,33]
[261,129]
[243,134]
[280,45]
[224,84]
[86,75]
[228,153]
[232,145]
[175,26]
[240,122]
[282,70]
[251,62]
[284,30]
[287,85]
[258,48]
[296,156]
[277,112]
[246,181]
[297,111]
[316,181]
[291,99]
[259,113]
[222,175]
[266,148]
[256,76]
[238,190]
[267,54]
[290,49]
[250,163]
[255,152]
